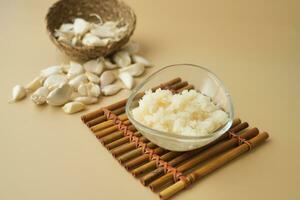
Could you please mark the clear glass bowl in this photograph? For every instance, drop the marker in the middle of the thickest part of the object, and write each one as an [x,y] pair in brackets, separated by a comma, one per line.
[204,81]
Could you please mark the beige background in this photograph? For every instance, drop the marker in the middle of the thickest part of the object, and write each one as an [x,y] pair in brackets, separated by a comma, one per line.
[252,45]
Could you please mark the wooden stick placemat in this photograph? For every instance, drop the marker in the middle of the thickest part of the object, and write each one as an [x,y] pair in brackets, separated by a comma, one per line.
[163,171]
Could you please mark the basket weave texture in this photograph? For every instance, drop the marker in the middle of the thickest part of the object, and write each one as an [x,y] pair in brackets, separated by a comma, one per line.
[65,11]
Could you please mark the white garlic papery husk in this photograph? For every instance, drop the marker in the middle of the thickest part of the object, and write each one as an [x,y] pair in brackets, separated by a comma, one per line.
[132,47]
[94,66]
[92,77]
[64,37]
[80,26]
[51,70]
[107,78]
[55,81]
[60,95]
[39,97]
[109,90]
[87,100]
[73,107]
[35,84]
[109,65]
[18,93]
[140,59]
[76,81]
[134,70]
[75,69]
[127,79]
[122,58]
[92,40]
[105,30]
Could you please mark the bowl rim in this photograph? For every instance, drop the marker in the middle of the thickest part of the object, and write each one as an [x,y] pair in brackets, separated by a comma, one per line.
[159,133]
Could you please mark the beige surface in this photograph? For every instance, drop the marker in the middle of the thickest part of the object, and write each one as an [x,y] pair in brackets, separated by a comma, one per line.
[252,45]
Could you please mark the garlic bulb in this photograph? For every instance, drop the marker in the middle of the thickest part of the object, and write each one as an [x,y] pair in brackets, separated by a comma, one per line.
[140,59]
[86,100]
[40,95]
[136,69]
[51,70]
[127,79]
[75,82]
[94,66]
[35,84]
[92,77]
[60,95]
[55,80]
[75,69]
[111,89]
[107,78]
[81,26]
[122,58]
[73,107]
[18,93]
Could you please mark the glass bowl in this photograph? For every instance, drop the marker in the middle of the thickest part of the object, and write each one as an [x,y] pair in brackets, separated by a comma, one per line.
[203,81]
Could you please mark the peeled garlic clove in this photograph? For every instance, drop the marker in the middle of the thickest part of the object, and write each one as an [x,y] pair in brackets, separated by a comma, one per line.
[93,90]
[92,77]
[35,84]
[73,107]
[142,60]
[55,80]
[109,65]
[80,26]
[94,66]
[104,30]
[83,89]
[92,40]
[111,89]
[66,27]
[51,70]
[75,69]
[107,78]
[87,100]
[127,79]
[122,58]
[40,95]
[75,82]
[60,95]
[134,70]
[18,93]
[132,47]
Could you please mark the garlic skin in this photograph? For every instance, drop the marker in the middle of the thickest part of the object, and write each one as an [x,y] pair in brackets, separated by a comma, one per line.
[86,100]
[51,70]
[18,93]
[92,77]
[94,66]
[35,84]
[122,58]
[75,69]
[80,26]
[73,107]
[92,40]
[134,70]
[60,95]
[39,97]
[76,81]
[109,90]
[127,79]
[107,78]
[140,59]
[55,80]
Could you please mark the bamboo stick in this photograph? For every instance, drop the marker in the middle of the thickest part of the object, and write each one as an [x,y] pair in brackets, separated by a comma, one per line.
[212,166]
[114,136]
[120,142]
[103,118]
[109,130]
[126,147]
[205,155]
[107,123]
[134,153]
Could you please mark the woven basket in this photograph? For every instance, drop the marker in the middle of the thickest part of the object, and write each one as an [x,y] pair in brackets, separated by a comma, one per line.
[64,11]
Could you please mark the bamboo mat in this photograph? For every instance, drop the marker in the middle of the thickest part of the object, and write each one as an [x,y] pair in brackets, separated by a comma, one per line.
[167,172]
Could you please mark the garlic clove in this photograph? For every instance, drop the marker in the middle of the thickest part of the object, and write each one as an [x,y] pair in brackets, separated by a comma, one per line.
[51,70]
[134,70]
[94,66]
[73,107]
[107,78]
[35,84]
[39,97]
[132,47]
[111,89]
[75,69]
[18,93]
[55,80]
[80,26]
[92,40]
[127,79]
[66,27]
[109,65]
[122,58]
[140,59]
[60,95]
[105,30]
[65,68]
[92,77]
[93,90]
[76,81]
[83,89]
[86,100]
